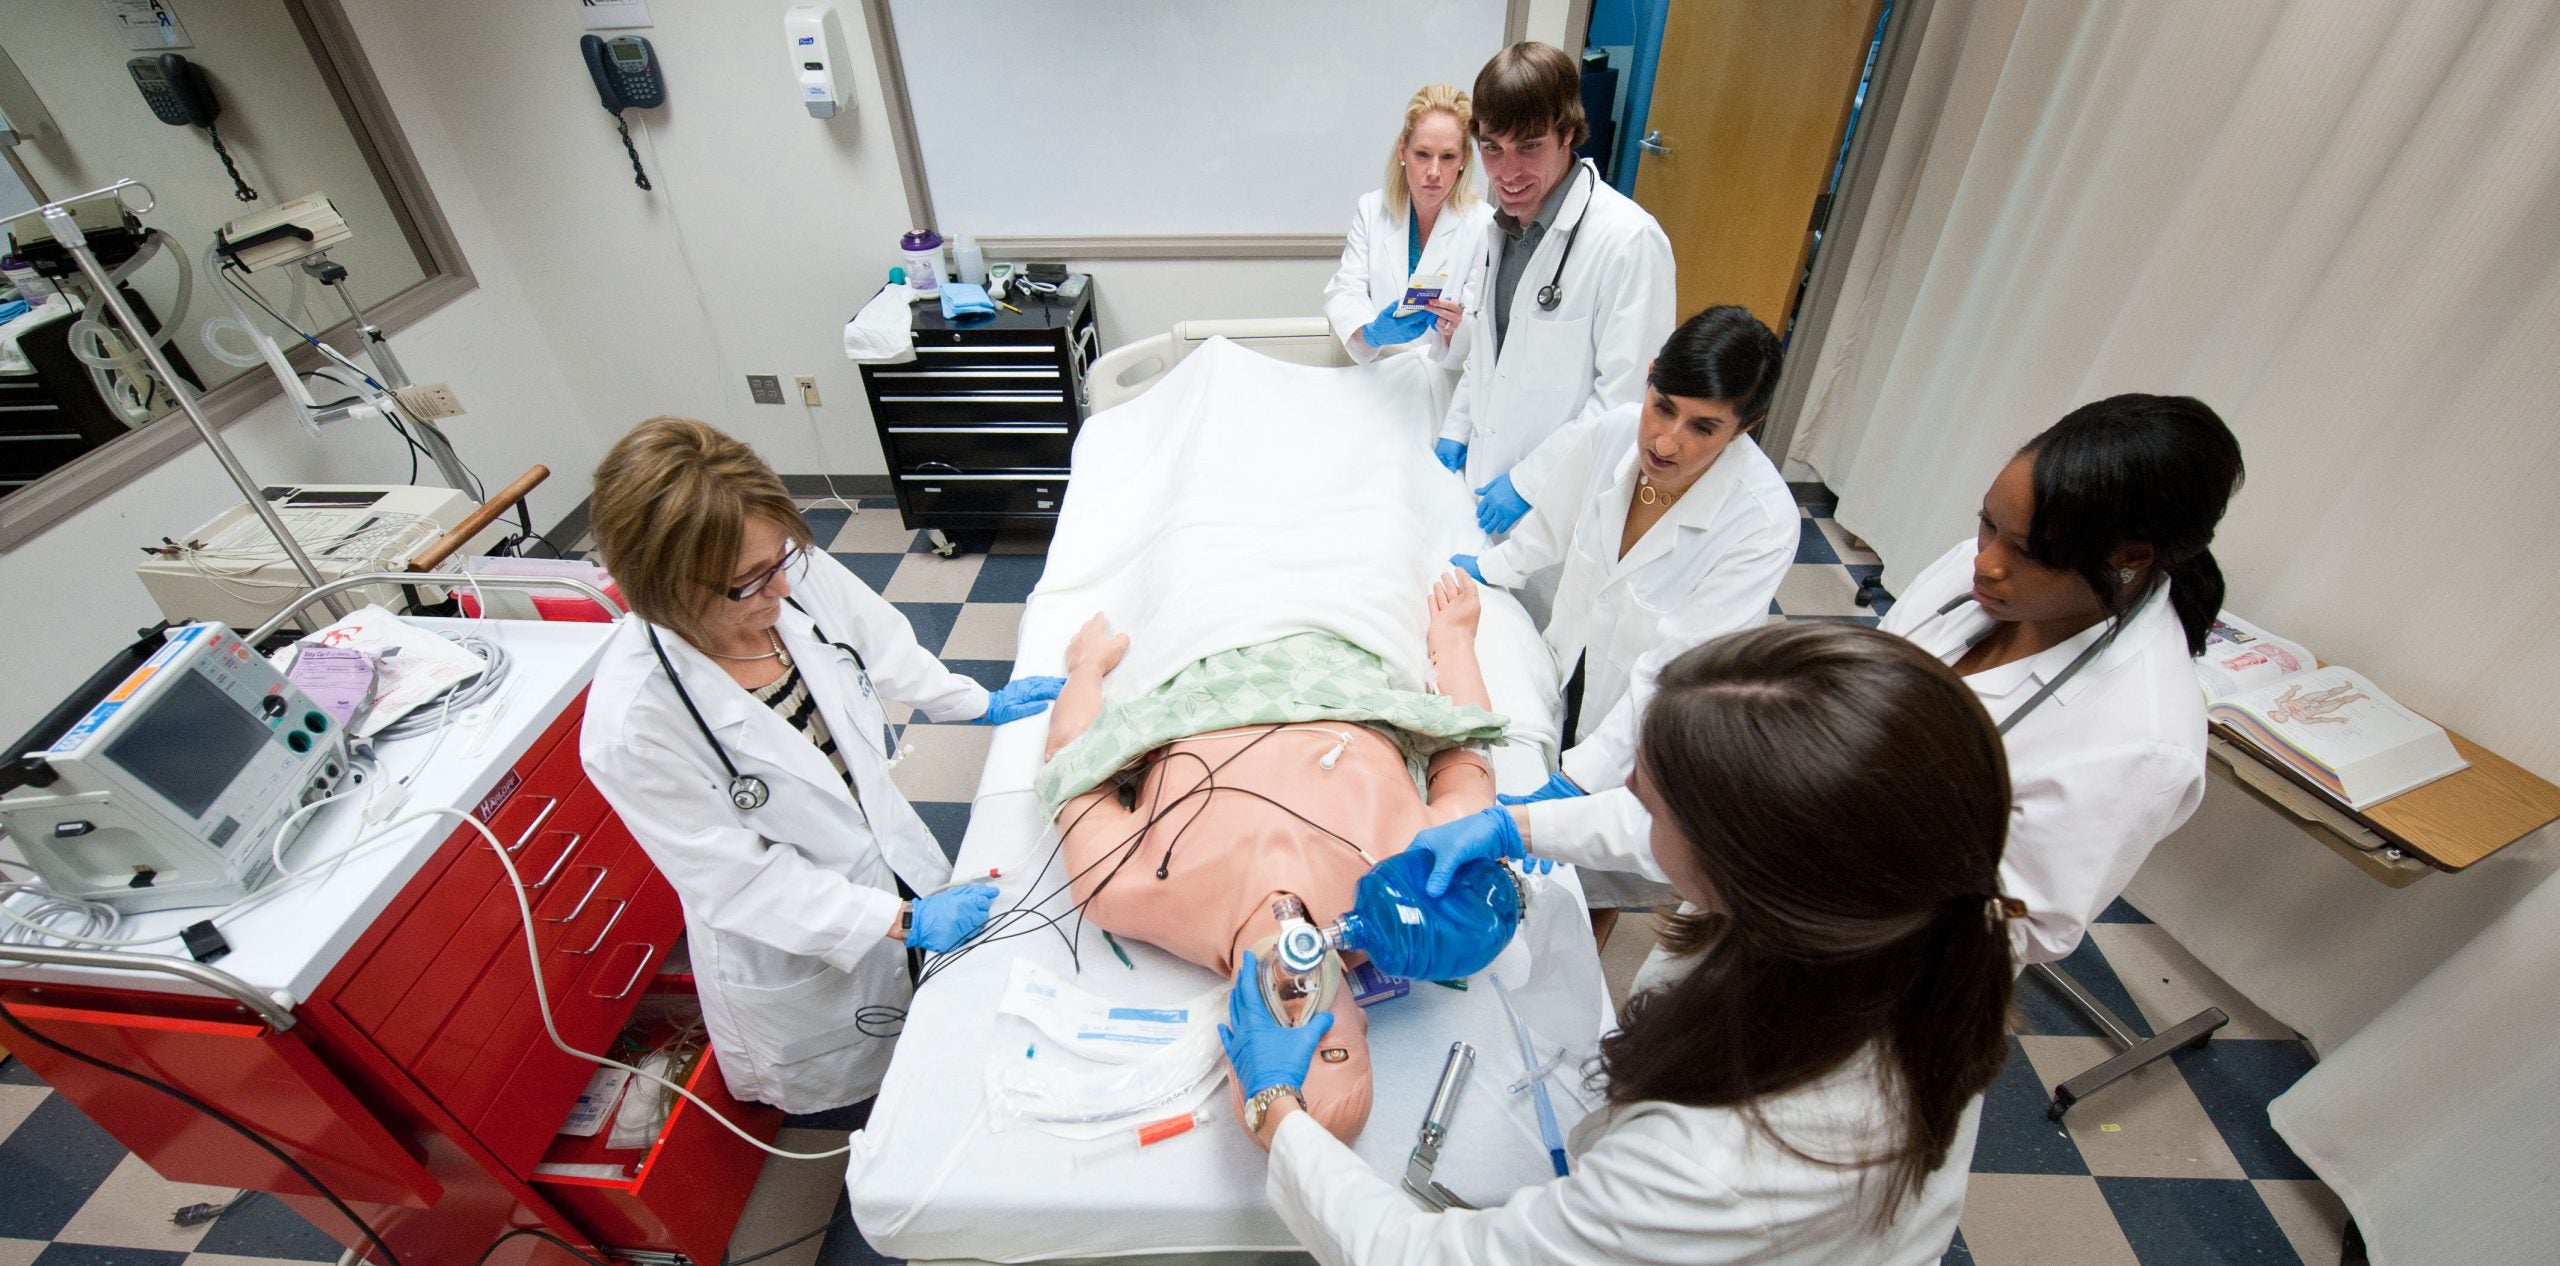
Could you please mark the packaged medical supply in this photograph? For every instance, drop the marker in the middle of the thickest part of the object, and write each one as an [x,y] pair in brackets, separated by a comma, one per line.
[961,299]
[1420,290]
[923,251]
[336,677]
[411,665]
[1106,1068]
[595,1103]
[1370,986]
[645,1103]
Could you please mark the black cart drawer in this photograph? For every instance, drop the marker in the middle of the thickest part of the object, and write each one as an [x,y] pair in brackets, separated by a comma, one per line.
[950,349]
[27,456]
[1036,446]
[1009,407]
[963,496]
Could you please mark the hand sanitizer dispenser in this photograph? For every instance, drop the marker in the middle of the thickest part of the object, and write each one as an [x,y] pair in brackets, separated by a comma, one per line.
[817,58]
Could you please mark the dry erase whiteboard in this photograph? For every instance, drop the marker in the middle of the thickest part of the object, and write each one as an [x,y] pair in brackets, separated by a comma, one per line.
[1124,118]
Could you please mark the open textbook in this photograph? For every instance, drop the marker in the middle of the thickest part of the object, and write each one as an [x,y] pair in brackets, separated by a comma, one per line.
[2330,725]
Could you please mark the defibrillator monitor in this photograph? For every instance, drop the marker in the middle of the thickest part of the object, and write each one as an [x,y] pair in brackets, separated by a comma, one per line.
[165,792]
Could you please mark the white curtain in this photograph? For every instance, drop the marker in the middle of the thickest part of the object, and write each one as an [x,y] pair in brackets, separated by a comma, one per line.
[2337,222]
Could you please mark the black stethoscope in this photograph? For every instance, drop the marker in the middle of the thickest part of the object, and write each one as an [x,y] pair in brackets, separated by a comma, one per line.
[747,791]
[1552,293]
[2069,670]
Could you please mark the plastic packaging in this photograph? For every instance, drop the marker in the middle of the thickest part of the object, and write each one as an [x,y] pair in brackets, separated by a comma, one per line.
[923,251]
[1409,933]
[968,263]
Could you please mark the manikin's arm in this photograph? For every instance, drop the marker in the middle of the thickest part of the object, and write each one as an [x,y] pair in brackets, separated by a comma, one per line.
[1091,654]
[1461,781]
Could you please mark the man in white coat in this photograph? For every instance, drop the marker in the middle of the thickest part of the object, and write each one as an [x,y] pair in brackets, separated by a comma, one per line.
[1570,296]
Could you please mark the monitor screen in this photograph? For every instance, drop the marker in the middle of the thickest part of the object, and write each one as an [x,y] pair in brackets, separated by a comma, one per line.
[190,744]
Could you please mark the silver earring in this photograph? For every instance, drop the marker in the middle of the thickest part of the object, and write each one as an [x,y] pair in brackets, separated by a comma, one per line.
[2124,575]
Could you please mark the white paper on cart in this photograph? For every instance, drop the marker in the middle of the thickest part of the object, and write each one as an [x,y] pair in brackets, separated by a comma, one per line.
[411,665]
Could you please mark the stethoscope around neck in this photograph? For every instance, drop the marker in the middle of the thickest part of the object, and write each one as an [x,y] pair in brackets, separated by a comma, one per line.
[2070,670]
[746,791]
[1551,294]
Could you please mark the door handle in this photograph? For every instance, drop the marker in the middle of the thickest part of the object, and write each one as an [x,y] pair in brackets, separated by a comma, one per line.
[1651,143]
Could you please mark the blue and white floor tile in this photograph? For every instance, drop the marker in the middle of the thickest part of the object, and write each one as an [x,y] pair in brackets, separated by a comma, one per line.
[2174,1166]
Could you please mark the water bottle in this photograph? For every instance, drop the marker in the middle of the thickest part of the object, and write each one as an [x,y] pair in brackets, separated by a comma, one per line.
[968,263]
[1409,933]
[923,249]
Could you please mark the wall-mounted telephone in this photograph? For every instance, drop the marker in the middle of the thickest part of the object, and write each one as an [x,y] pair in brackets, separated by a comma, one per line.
[625,70]
[180,94]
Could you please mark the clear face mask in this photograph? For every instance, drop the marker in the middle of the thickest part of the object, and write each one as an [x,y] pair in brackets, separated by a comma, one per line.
[1299,971]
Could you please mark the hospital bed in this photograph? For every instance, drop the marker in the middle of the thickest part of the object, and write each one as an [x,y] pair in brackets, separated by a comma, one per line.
[936,1175]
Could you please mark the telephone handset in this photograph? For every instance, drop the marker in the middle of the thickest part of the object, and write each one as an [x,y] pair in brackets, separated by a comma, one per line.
[176,89]
[180,95]
[625,69]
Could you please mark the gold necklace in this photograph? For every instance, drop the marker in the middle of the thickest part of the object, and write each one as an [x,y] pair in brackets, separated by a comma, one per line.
[1648,494]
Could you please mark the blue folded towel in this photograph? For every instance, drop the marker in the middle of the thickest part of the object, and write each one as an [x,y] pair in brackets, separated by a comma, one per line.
[960,299]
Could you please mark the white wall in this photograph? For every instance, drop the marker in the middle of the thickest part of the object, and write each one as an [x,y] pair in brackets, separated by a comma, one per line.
[588,319]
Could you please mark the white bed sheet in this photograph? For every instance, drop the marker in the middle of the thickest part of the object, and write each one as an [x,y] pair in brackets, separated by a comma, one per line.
[930,1177]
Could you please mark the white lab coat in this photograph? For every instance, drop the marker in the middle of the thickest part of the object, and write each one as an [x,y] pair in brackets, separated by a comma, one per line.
[1652,1182]
[1373,273]
[1710,566]
[2100,772]
[788,906]
[1566,367]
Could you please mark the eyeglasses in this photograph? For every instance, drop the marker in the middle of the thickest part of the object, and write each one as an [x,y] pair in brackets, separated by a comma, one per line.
[792,558]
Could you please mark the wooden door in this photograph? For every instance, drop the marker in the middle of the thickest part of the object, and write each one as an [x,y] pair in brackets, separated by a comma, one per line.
[1750,97]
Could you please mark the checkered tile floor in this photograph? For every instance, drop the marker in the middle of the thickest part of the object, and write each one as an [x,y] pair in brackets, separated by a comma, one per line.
[2173,1166]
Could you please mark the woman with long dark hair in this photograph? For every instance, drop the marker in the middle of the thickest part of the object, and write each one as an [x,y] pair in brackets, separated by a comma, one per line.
[1829,801]
[1673,528]
[2074,615]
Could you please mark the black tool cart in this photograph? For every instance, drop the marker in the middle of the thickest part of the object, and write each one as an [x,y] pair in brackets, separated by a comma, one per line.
[978,427]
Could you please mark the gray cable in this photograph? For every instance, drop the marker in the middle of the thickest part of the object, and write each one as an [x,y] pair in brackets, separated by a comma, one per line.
[435,709]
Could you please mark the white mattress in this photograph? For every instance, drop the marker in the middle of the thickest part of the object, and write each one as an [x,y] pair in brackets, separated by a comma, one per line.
[929,1177]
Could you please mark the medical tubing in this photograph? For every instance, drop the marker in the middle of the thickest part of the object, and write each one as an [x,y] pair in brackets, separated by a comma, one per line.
[89,325]
[224,1118]
[462,694]
[542,993]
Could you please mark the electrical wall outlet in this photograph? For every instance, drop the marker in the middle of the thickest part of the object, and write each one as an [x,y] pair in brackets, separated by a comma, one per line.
[766,388]
[428,401]
[808,388]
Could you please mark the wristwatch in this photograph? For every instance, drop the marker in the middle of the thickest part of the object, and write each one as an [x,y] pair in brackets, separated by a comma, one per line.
[906,919]
[1259,1106]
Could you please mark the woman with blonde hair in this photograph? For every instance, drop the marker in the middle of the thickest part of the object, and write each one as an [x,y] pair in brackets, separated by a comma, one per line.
[735,724]
[1425,220]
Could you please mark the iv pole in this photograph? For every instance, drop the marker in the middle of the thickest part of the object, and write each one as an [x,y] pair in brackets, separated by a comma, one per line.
[66,231]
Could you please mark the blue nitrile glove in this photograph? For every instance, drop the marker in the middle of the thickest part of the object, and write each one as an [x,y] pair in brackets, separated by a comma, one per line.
[1467,563]
[940,921]
[1265,1052]
[1023,697]
[1452,454]
[1558,787]
[1489,833]
[1387,329]
[1502,505]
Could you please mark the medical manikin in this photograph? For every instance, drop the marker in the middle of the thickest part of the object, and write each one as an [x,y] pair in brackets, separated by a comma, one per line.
[1204,844]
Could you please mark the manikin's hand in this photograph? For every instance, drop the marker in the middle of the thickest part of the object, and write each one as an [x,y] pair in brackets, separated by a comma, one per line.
[1455,608]
[1096,648]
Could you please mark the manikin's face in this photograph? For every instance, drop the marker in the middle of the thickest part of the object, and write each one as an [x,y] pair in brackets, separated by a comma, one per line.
[1435,160]
[1679,438]
[1522,171]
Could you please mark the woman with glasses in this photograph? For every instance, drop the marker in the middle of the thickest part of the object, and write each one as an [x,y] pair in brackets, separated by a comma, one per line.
[736,725]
